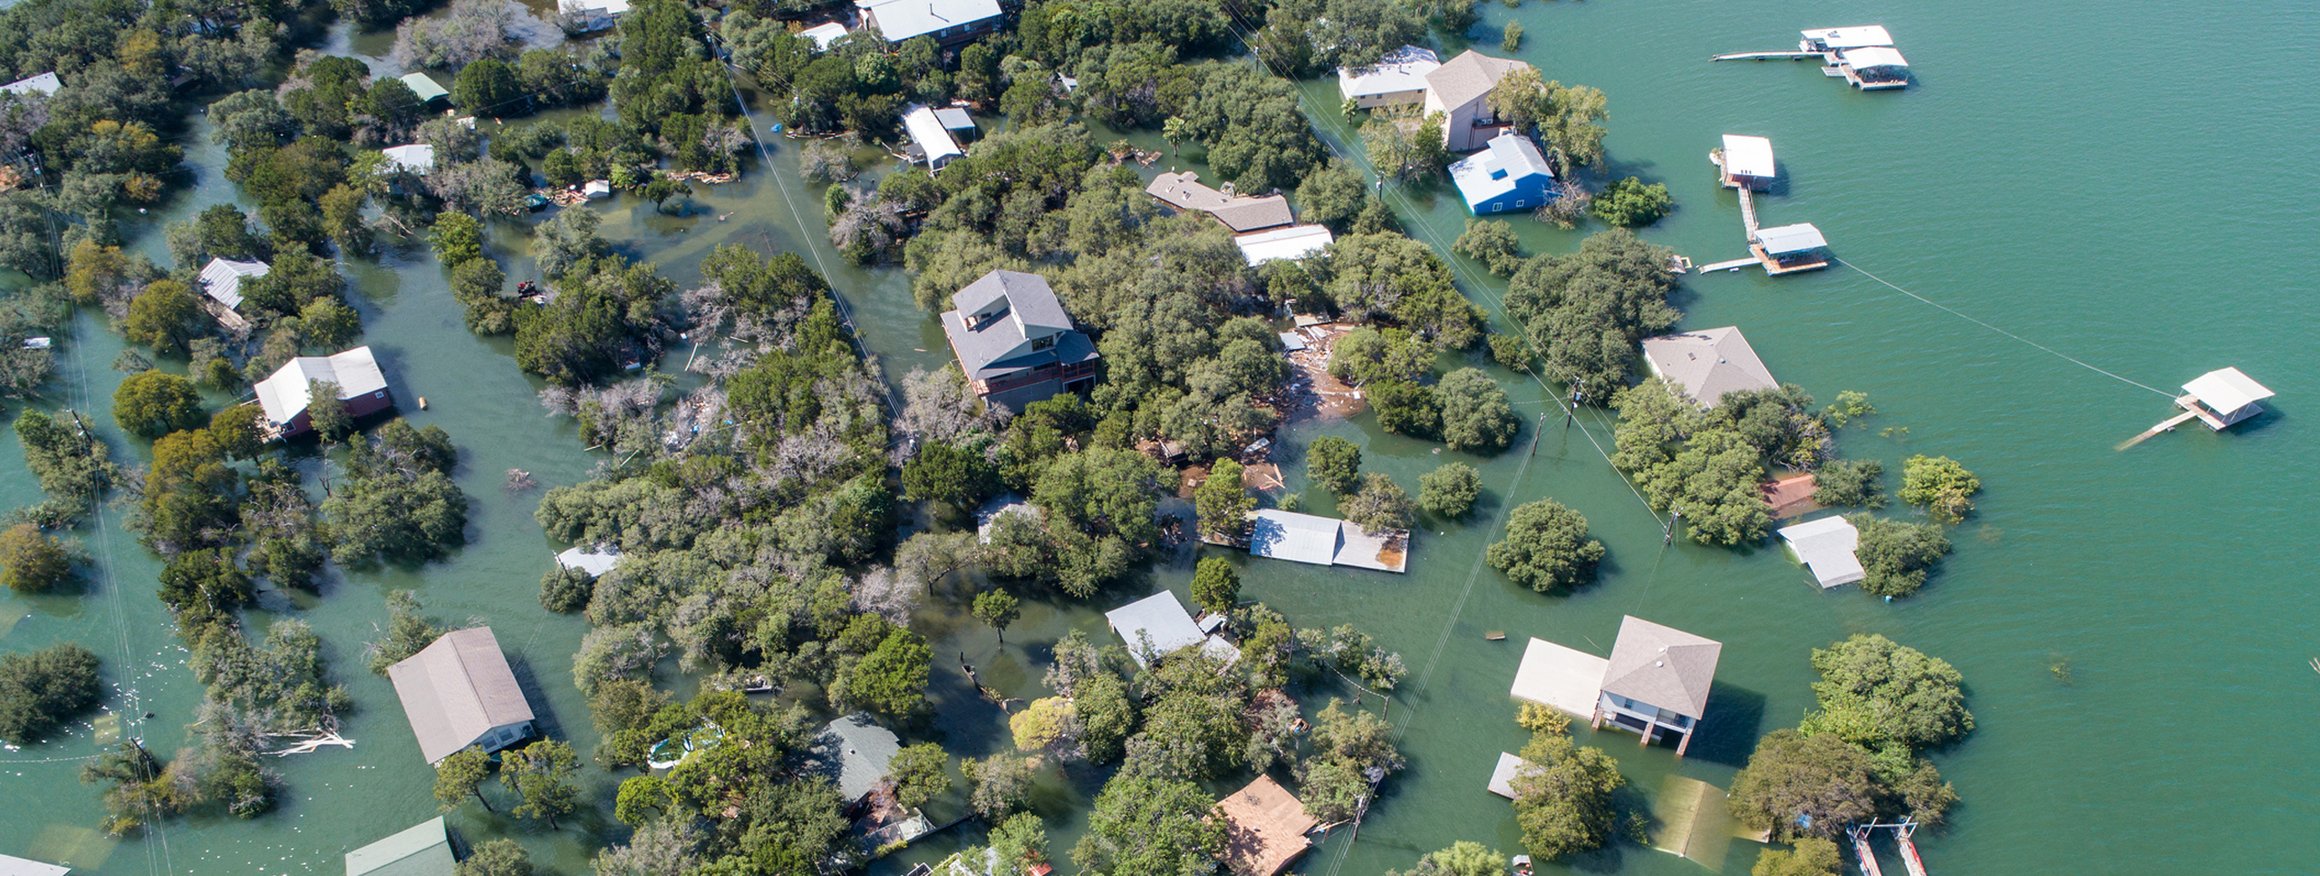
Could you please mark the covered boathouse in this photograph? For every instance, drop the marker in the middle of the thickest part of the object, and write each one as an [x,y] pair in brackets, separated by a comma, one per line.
[1789,249]
[2223,397]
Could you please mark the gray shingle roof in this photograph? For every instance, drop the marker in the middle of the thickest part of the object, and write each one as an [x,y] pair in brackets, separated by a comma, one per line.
[1470,75]
[995,347]
[1662,666]
[1708,363]
[856,754]
[456,690]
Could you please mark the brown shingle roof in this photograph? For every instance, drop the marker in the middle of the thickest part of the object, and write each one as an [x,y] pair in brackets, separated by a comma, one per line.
[1264,828]
[1470,75]
[1662,666]
[1185,191]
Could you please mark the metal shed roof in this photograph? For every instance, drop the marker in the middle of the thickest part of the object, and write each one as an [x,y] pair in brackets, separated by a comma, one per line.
[1872,56]
[1288,535]
[288,390]
[1801,237]
[1826,546]
[1293,242]
[425,87]
[1858,36]
[1748,156]
[221,279]
[423,849]
[2227,390]
[1401,70]
[1158,620]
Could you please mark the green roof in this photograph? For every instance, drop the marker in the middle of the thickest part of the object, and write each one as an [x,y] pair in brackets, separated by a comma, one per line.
[425,86]
[424,850]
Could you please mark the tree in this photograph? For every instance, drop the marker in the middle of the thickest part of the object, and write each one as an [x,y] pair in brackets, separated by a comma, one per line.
[1631,203]
[1406,408]
[566,241]
[499,857]
[1334,463]
[1585,311]
[1797,785]
[1475,412]
[1380,506]
[1546,547]
[488,86]
[164,317]
[1850,483]
[460,776]
[1491,242]
[1216,586]
[1449,491]
[1045,724]
[1876,692]
[1221,503]
[1565,797]
[890,680]
[1462,858]
[1150,827]
[541,775]
[41,690]
[32,561]
[1568,117]
[1895,554]
[997,609]
[1941,486]
[1809,856]
[156,403]
[949,475]
[1405,149]
[1002,785]
[408,632]
[920,773]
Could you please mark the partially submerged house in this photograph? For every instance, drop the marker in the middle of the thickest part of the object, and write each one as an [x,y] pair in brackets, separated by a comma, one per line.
[222,280]
[1788,249]
[286,395]
[2223,397]
[1460,91]
[1158,625]
[1745,162]
[1265,828]
[987,516]
[1707,364]
[1014,342]
[1397,79]
[931,143]
[416,158]
[1656,680]
[589,16]
[429,91]
[1243,214]
[949,22]
[1510,174]
[857,755]
[11,865]
[421,850]
[593,562]
[1326,541]
[460,692]
[1291,242]
[44,85]
[1827,548]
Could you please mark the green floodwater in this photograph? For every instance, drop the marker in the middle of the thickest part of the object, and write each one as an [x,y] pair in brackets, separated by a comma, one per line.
[2127,184]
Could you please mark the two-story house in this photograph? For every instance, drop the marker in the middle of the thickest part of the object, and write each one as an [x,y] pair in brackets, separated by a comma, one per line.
[1014,342]
[1460,92]
[1658,679]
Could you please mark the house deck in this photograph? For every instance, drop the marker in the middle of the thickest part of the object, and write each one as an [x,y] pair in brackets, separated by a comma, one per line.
[1566,679]
[1775,268]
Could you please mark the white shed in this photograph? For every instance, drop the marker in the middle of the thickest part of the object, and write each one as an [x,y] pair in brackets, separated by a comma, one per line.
[1827,547]
[1748,161]
[1293,242]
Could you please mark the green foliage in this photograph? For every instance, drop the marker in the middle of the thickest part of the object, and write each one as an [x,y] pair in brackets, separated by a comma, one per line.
[1387,276]
[1368,355]
[1332,195]
[281,686]
[1150,827]
[32,561]
[1475,413]
[1792,777]
[1462,858]
[949,475]
[997,609]
[1808,856]
[540,774]
[1586,310]
[1511,38]
[1405,149]
[1379,506]
[1855,483]
[155,403]
[164,317]
[487,86]
[1897,555]
[42,690]
[1334,463]
[398,501]
[499,857]
[1491,242]
[1406,408]
[408,631]
[890,680]
[1631,203]
[1349,747]
[1941,486]
[920,772]
[1449,490]
[1546,547]
[1216,586]
[72,465]
[460,777]
[1904,697]
[1221,503]
[1569,118]
[1566,797]
[1707,465]
[1851,404]
[1002,785]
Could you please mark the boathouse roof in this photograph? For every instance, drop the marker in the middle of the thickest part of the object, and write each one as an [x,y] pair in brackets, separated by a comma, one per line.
[1827,547]
[1748,156]
[421,850]
[1782,239]
[2227,390]
[1663,666]
[1707,364]
[1872,57]
[1292,242]
[1325,541]
[456,690]
[1855,37]
[1264,828]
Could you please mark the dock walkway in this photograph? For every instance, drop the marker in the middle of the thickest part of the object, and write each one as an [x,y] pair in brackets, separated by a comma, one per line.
[2167,425]
[1767,56]
[1748,211]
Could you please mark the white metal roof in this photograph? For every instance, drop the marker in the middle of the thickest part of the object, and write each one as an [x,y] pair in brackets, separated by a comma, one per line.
[606,8]
[221,279]
[1288,535]
[1860,36]
[1827,547]
[285,393]
[825,34]
[15,866]
[1800,237]
[928,132]
[44,84]
[1566,679]
[1872,56]
[2227,390]
[1748,156]
[1158,619]
[1498,169]
[900,20]
[1294,242]
[594,562]
[1402,70]
[417,158]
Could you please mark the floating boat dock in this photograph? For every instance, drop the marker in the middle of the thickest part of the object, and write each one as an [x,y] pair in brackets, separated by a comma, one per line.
[1788,249]
[1768,56]
[1902,831]
[1863,56]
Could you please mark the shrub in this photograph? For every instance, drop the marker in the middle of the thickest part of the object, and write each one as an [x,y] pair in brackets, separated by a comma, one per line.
[1449,491]
[1632,203]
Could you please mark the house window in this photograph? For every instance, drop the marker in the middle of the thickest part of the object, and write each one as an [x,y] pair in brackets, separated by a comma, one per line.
[1043,343]
[1520,204]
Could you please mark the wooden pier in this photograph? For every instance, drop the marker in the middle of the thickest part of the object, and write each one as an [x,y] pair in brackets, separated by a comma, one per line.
[1748,211]
[1733,265]
[2167,425]
[1767,56]
[1776,267]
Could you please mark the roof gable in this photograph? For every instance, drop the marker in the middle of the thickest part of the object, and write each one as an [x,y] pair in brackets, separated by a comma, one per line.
[1708,364]
[1159,620]
[458,689]
[423,849]
[1827,546]
[900,20]
[221,279]
[286,393]
[1468,77]
[1662,666]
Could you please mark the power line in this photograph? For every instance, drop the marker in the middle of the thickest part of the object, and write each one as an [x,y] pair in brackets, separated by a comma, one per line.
[2050,350]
